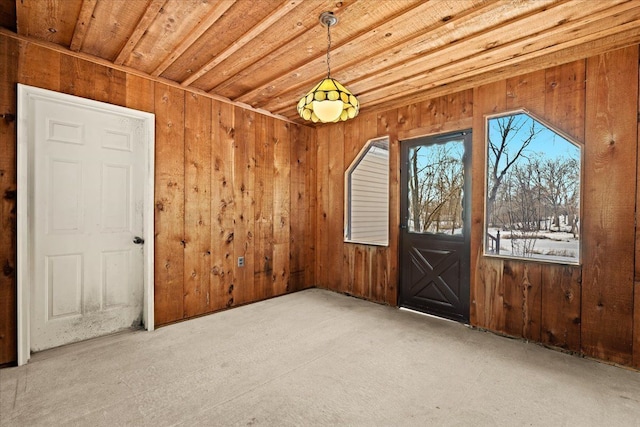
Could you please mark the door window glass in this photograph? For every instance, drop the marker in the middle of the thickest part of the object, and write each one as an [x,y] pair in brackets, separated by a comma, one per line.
[436,183]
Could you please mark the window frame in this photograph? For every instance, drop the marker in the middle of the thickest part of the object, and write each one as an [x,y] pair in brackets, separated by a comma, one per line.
[373,142]
[568,138]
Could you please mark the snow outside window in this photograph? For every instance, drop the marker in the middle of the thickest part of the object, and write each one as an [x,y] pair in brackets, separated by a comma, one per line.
[532,190]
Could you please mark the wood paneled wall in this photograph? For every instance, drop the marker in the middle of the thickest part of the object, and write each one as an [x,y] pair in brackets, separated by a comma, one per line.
[8,179]
[366,271]
[229,182]
[588,309]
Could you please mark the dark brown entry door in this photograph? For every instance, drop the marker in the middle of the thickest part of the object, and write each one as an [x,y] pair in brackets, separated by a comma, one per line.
[435,225]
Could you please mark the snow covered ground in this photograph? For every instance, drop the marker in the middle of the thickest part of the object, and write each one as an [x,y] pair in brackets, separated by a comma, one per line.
[558,246]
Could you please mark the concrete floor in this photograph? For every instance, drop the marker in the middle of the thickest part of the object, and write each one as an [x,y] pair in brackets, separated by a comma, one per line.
[315,358]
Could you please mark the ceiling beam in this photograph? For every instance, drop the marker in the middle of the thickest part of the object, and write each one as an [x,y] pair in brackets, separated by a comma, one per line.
[582,51]
[269,69]
[129,70]
[194,35]
[282,10]
[629,37]
[466,53]
[143,25]
[312,71]
[270,48]
[526,48]
[82,25]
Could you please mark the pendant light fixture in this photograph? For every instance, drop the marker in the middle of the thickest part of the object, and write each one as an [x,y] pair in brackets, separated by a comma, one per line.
[328,101]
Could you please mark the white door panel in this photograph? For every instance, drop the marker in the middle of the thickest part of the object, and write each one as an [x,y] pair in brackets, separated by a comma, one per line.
[88,176]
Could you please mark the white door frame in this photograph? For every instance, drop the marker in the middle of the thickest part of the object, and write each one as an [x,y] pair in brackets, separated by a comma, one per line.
[25,204]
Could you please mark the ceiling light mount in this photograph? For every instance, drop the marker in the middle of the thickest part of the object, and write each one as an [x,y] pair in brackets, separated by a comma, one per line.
[328,101]
[328,19]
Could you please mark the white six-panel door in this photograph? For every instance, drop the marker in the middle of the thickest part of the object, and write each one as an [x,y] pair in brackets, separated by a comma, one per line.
[86,204]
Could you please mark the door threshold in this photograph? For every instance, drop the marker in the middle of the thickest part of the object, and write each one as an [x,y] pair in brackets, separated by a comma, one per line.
[433,316]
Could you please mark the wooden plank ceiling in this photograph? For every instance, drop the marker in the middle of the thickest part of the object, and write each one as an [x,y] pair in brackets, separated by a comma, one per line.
[268,53]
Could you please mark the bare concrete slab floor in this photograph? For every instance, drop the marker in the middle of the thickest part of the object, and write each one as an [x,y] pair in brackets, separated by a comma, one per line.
[315,358]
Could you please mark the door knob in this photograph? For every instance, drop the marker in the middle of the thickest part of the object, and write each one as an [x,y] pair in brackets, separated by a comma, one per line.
[138,240]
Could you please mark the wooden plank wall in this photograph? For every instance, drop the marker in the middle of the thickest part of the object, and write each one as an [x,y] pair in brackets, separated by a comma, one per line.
[589,309]
[8,314]
[610,160]
[229,182]
[366,271]
[536,301]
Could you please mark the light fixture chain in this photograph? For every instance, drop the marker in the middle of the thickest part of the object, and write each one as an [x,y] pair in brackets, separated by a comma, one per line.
[328,48]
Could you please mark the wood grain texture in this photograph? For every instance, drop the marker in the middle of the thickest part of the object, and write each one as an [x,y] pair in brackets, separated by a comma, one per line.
[240,42]
[140,93]
[93,81]
[80,77]
[8,15]
[199,29]
[487,293]
[383,265]
[353,143]
[565,98]
[541,301]
[357,261]
[392,55]
[197,201]
[199,149]
[488,99]
[281,208]
[222,206]
[536,301]
[451,57]
[244,190]
[39,66]
[522,299]
[141,27]
[264,205]
[561,296]
[335,205]
[8,174]
[110,85]
[300,215]
[116,26]
[527,91]
[610,165]
[82,26]
[48,20]
[311,179]
[169,204]
[323,208]
[372,272]
[599,316]
[386,268]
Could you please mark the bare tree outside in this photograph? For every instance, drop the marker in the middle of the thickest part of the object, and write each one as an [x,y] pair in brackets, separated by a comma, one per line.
[533,190]
[435,188]
[506,147]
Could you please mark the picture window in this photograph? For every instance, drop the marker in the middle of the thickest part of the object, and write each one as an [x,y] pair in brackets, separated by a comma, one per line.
[532,194]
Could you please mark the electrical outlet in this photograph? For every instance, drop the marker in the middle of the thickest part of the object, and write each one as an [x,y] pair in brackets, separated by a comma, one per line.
[240,261]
